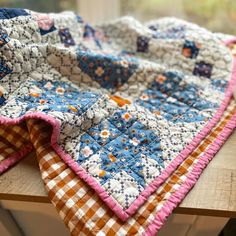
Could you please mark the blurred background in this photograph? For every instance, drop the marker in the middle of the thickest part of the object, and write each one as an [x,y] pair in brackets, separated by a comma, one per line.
[216,15]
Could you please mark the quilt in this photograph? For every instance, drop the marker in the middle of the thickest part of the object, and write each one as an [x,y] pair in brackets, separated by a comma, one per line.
[123,116]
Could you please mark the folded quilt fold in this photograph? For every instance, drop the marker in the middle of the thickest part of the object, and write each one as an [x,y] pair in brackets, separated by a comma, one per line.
[120,113]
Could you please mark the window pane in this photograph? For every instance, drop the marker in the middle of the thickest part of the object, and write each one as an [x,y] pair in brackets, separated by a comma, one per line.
[217,15]
[41,5]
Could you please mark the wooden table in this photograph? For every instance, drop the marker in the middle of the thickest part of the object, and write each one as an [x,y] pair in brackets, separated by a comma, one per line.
[213,195]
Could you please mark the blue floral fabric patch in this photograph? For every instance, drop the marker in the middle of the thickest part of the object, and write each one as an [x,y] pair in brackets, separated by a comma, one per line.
[109,71]
[4,69]
[4,39]
[171,97]
[58,96]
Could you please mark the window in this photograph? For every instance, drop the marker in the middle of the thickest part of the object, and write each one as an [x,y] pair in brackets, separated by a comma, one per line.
[216,15]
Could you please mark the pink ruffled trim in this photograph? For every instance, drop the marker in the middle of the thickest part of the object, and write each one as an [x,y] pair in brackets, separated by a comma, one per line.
[124,215]
[180,193]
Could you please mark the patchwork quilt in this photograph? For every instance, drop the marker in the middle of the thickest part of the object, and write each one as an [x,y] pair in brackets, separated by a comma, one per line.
[123,116]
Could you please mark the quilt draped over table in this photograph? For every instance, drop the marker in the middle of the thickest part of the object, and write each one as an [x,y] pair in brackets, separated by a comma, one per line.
[125,114]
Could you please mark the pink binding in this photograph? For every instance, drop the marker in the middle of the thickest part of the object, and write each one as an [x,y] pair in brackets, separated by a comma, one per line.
[124,215]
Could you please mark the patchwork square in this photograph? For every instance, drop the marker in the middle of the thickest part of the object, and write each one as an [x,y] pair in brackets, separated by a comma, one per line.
[190,49]
[110,71]
[66,37]
[142,44]
[203,69]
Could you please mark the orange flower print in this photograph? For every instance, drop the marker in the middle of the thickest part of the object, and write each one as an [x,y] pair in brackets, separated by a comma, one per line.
[60,90]
[160,79]
[72,108]
[119,100]
[34,95]
[104,133]
[42,101]
[187,52]
[102,173]
[87,151]
[112,158]
[99,71]
[157,113]
[126,116]
[144,97]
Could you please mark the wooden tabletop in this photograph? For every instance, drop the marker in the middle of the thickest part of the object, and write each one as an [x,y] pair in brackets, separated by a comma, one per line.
[214,194]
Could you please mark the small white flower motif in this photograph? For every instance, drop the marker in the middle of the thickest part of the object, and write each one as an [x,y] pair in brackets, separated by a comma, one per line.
[60,90]
[87,151]
[171,99]
[96,157]
[126,116]
[134,141]
[48,85]
[168,85]
[142,134]
[99,71]
[144,97]
[104,133]
[118,125]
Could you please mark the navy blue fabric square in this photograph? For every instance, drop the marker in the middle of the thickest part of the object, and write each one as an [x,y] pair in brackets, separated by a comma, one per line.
[8,13]
[66,37]
[2,100]
[203,69]
[4,69]
[142,44]
[43,32]
[190,49]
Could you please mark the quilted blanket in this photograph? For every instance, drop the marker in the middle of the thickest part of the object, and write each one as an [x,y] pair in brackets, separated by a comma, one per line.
[123,116]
